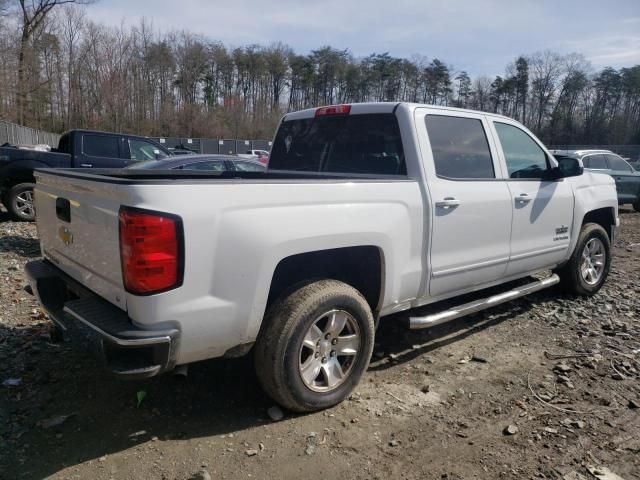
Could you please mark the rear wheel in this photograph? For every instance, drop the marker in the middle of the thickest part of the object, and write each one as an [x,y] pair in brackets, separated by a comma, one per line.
[19,202]
[588,267]
[315,346]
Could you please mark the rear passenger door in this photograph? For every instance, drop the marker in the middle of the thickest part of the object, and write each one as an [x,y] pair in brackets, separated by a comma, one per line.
[470,209]
[542,208]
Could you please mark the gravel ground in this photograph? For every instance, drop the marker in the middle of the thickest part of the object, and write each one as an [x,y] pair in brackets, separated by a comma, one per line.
[544,387]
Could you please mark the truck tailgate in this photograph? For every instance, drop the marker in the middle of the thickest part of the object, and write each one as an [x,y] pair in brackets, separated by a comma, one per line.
[78,227]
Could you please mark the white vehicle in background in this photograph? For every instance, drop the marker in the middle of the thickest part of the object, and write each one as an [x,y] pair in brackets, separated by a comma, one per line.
[261,156]
[366,210]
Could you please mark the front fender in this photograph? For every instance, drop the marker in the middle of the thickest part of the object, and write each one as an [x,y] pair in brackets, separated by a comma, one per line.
[592,191]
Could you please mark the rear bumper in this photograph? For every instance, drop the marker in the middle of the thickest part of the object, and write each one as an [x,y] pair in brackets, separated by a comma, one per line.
[92,322]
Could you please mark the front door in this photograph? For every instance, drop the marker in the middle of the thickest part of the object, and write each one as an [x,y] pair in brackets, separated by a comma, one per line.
[542,209]
[470,209]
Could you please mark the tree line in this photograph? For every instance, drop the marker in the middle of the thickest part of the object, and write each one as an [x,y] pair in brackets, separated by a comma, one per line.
[60,70]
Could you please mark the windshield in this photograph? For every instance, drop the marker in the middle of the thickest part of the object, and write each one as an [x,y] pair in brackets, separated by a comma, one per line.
[365,144]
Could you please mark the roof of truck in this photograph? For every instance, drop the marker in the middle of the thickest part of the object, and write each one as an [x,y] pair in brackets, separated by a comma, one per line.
[385,107]
[102,132]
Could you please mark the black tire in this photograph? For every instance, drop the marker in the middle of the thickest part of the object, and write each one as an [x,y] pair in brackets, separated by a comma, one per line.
[18,208]
[278,352]
[571,277]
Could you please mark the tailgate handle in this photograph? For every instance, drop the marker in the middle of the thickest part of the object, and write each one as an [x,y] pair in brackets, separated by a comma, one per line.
[63,209]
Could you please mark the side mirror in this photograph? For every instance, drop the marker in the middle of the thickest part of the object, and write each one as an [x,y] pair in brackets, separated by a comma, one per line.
[567,167]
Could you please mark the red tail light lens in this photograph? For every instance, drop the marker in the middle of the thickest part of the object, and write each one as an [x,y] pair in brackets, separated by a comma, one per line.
[151,251]
[333,110]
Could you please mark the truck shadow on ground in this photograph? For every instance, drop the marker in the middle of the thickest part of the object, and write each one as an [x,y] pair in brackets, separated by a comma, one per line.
[218,396]
[396,344]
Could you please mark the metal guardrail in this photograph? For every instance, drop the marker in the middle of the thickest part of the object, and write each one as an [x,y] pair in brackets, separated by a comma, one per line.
[19,135]
[214,145]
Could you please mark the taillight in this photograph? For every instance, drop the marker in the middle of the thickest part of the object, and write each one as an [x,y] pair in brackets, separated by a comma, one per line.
[151,251]
[263,159]
[333,110]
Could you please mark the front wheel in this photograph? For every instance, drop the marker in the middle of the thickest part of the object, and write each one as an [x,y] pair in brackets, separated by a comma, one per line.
[315,346]
[19,202]
[588,267]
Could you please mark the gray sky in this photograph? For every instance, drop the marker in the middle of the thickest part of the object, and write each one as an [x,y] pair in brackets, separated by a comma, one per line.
[479,36]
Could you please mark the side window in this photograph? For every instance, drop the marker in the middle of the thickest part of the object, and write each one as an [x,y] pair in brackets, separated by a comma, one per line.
[100,146]
[141,150]
[248,167]
[211,165]
[524,157]
[616,163]
[595,161]
[460,147]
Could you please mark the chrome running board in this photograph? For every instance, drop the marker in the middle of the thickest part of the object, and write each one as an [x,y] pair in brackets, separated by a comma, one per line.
[478,305]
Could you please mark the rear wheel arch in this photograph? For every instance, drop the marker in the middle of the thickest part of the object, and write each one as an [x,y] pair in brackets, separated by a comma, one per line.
[362,267]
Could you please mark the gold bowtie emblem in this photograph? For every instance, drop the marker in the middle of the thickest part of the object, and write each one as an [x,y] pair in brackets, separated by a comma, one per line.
[65,235]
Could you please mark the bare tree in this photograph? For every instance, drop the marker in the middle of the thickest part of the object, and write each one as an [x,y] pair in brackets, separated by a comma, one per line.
[546,70]
[33,15]
[78,73]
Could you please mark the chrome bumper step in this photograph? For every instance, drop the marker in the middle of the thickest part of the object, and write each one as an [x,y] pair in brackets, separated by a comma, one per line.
[434,319]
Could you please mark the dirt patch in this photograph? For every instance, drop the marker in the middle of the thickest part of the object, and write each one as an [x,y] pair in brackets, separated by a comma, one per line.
[562,372]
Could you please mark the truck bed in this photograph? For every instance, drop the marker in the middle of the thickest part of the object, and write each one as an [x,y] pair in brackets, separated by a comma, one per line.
[53,159]
[237,226]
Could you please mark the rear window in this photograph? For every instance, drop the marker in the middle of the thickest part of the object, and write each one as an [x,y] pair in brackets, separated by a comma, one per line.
[362,144]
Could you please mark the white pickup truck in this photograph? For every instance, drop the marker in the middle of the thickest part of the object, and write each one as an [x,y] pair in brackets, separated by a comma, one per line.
[366,210]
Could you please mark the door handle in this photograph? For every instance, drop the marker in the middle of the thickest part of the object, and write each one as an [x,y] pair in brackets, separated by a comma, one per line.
[523,198]
[448,202]
[86,165]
